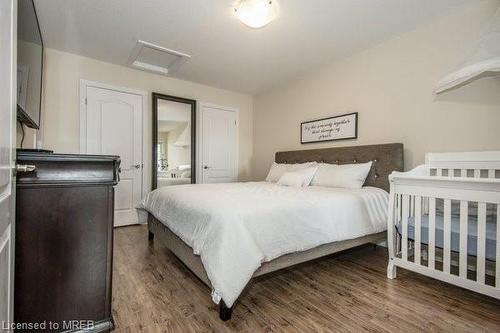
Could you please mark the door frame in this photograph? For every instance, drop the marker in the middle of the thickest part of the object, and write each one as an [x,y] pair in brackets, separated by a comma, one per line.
[154,132]
[8,192]
[199,137]
[84,84]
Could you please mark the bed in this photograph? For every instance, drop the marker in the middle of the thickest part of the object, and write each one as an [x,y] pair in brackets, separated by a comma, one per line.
[229,233]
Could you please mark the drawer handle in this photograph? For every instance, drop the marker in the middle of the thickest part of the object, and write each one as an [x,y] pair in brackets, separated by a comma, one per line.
[25,167]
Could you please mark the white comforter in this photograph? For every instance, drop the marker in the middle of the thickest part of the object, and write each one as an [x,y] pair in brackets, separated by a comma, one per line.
[236,227]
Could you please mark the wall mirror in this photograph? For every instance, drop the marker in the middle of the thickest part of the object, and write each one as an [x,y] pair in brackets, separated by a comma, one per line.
[174,137]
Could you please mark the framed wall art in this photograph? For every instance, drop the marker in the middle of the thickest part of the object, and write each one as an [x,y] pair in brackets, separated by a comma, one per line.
[341,127]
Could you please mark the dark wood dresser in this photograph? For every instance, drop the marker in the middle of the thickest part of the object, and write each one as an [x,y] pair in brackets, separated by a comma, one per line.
[64,240]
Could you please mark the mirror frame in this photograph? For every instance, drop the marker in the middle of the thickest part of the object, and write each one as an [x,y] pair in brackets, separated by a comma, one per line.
[192,102]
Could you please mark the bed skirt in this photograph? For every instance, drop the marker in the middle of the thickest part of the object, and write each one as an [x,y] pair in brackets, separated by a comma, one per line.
[193,262]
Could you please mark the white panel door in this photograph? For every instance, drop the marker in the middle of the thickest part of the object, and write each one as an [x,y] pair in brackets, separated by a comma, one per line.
[219,138]
[8,70]
[114,127]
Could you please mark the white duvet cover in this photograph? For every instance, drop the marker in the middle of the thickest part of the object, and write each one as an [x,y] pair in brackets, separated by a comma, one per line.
[236,227]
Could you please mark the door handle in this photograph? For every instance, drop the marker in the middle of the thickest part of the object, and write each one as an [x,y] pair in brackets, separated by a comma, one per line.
[25,167]
[206,167]
[137,166]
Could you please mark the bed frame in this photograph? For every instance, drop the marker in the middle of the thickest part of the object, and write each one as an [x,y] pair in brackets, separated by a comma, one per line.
[386,159]
[463,178]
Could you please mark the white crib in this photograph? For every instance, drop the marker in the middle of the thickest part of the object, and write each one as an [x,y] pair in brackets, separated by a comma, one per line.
[443,220]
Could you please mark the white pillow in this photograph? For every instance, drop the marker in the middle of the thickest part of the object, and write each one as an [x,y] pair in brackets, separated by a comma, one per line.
[298,178]
[278,169]
[343,175]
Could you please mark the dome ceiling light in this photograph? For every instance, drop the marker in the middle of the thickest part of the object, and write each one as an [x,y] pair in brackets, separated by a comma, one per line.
[256,13]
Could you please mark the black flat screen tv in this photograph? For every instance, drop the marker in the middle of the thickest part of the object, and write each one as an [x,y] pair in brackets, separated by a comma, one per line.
[29,65]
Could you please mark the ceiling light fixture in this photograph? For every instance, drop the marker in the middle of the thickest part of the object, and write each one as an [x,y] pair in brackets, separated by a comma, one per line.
[256,13]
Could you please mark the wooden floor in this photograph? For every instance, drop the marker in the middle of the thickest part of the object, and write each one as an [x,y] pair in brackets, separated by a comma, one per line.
[349,292]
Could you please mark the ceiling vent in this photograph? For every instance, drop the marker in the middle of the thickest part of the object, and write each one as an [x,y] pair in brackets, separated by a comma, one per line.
[156,59]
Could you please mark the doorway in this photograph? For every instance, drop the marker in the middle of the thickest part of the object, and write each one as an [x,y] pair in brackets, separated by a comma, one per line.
[219,144]
[111,123]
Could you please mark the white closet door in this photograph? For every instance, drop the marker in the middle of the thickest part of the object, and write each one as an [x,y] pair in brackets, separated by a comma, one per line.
[8,70]
[114,127]
[219,144]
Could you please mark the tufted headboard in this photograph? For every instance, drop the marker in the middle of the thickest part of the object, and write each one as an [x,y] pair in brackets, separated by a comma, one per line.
[386,159]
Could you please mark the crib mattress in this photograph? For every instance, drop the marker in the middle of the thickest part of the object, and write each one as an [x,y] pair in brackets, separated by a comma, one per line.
[491,227]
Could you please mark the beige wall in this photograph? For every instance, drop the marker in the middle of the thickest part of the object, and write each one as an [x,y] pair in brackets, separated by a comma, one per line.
[60,123]
[391,85]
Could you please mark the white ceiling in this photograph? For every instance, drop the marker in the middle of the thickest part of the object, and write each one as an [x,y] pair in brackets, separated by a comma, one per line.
[225,53]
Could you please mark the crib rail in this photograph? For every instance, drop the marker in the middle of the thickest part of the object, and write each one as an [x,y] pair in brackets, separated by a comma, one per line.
[474,197]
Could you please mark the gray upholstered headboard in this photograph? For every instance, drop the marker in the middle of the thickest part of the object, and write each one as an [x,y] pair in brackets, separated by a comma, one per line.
[386,157]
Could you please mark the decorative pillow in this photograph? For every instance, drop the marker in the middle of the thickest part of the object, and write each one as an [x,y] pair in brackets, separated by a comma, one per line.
[343,175]
[278,169]
[298,178]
